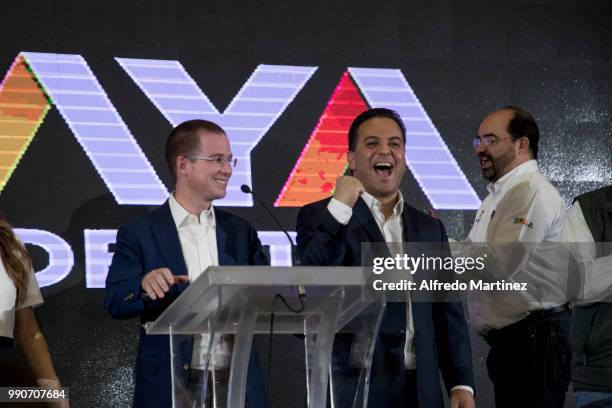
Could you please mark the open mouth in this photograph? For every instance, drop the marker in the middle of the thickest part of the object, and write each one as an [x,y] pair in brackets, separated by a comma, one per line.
[383,169]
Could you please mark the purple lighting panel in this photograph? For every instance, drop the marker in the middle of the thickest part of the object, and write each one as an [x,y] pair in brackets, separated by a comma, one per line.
[98,128]
[280,249]
[254,109]
[97,256]
[428,157]
[61,258]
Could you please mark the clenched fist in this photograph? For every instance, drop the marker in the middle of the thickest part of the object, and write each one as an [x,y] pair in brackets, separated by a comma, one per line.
[157,282]
[348,190]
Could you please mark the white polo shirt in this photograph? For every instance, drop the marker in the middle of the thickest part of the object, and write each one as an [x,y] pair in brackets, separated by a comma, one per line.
[596,272]
[522,206]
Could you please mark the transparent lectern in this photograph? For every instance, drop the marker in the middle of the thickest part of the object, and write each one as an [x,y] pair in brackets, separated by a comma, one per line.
[226,305]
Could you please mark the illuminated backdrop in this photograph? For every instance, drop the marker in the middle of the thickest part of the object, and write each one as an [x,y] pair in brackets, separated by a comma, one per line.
[91,91]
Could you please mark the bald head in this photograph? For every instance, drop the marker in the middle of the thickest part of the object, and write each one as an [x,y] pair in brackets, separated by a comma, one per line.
[522,124]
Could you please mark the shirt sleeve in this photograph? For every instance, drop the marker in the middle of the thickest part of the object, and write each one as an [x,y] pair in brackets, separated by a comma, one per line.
[33,296]
[596,272]
[340,211]
[576,228]
[463,387]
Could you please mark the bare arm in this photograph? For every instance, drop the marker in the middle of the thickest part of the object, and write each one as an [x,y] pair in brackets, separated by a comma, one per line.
[33,343]
[36,352]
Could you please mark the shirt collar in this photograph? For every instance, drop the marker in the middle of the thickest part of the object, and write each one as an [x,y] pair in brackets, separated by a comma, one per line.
[507,181]
[374,205]
[181,216]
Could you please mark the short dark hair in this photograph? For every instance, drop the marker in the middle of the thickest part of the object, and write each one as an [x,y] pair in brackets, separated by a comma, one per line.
[184,140]
[369,114]
[522,124]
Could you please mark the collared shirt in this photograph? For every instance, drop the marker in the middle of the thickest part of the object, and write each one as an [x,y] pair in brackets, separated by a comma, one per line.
[533,212]
[596,272]
[392,229]
[8,299]
[198,238]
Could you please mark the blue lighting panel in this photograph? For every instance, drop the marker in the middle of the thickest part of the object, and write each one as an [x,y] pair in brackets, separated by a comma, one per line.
[97,256]
[93,119]
[61,258]
[254,109]
[280,249]
[428,157]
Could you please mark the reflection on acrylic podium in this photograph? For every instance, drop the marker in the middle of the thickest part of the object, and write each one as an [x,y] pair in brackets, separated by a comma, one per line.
[229,304]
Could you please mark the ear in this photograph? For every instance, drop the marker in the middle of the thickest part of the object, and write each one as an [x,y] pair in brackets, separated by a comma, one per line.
[181,165]
[351,160]
[524,146]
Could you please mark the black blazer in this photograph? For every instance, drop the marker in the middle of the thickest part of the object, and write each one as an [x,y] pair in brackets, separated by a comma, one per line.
[441,334]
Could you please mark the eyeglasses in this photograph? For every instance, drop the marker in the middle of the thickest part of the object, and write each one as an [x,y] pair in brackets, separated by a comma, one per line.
[486,140]
[218,160]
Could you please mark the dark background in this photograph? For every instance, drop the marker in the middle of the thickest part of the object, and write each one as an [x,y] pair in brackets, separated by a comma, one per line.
[463,58]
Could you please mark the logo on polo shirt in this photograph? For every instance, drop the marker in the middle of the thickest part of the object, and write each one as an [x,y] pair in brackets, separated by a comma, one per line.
[479,216]
[522,220]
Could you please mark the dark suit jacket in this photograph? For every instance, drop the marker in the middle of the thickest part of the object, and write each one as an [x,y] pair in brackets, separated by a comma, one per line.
[152,242]
[441,334]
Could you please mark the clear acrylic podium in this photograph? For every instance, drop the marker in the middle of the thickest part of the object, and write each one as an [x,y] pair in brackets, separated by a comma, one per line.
[228,304]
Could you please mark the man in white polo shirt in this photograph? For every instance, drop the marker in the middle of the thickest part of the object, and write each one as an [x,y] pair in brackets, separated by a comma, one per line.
[529,360]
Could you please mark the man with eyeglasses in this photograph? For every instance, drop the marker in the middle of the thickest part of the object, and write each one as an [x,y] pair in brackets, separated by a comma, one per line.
[529,359]
[157,254]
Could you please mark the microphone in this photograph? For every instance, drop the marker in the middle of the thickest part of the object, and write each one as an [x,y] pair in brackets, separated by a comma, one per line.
[295,259]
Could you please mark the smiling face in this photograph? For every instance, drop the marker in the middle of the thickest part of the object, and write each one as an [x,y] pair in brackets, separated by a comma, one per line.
[379,157]
[201,180]
[503,154]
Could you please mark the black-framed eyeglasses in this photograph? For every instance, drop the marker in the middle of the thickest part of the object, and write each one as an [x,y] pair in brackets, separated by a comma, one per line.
[218,160]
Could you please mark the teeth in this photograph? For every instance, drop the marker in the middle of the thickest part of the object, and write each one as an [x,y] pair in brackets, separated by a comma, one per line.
[382,164]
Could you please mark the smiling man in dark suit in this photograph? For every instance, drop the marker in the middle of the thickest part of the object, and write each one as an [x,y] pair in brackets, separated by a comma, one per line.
[159,253]
[421,338]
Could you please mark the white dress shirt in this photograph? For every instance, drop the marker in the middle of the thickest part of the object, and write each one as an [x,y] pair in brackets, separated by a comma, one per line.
[596,272]
[198,240]
[8,299]
[392,229]
[522,206]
